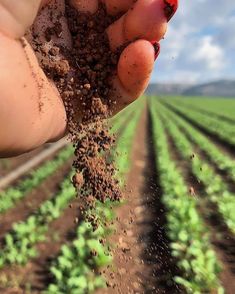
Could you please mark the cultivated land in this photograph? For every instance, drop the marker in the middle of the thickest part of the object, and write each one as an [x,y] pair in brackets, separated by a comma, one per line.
[173,233]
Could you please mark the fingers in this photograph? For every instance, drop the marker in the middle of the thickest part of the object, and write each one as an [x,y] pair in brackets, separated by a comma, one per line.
[17,16]
[146,20]
[134,70]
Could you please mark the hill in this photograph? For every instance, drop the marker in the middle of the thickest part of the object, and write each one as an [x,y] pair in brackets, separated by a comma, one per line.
[223,88]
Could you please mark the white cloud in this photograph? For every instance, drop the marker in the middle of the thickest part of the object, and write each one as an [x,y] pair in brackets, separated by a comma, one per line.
[210,54]
[200,43]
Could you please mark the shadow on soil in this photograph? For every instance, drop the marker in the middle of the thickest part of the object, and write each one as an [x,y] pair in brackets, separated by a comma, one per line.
[156,255]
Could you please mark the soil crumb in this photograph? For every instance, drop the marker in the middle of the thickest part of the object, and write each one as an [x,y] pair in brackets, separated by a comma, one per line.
[82,75]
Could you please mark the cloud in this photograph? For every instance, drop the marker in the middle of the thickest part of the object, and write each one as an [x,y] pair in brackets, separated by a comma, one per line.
[200,43]
[209,54]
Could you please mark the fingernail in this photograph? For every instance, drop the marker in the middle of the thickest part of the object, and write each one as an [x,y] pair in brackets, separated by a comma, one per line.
[170,8]
[156,47]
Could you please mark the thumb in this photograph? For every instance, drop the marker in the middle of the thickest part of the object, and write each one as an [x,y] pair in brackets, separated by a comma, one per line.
[17,16]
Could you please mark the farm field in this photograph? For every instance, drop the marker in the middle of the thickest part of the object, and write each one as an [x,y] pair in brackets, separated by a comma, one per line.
[174,232]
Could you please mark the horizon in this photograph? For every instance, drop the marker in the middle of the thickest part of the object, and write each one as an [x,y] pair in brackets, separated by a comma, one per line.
[191,84]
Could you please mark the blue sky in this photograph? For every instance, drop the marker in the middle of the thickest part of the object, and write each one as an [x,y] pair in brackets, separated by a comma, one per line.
[200,43]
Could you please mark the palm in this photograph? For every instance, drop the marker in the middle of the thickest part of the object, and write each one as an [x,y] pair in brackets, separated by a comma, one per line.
[40,115]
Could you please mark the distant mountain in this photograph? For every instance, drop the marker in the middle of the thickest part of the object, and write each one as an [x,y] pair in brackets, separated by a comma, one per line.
[222,88]
[166,89]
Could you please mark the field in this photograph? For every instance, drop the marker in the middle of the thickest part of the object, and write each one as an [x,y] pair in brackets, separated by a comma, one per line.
[173,233]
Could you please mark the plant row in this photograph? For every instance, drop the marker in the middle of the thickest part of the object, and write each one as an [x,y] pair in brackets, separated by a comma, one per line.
[218,127]
[75,271]
[9,197]
[19,244]
[189,238]
[214,186]
[219,107]
[221,160]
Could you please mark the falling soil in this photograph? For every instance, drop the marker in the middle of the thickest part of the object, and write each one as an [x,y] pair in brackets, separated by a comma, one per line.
[82,76]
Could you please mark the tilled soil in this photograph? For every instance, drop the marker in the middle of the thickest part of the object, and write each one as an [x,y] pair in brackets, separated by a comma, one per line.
[142,261]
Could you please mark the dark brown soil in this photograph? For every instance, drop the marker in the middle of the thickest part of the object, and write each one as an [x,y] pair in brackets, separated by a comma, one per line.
[222,240]
[142,260]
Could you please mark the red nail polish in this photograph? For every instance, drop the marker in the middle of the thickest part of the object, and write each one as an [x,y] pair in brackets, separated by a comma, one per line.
[170,8]
[156,47]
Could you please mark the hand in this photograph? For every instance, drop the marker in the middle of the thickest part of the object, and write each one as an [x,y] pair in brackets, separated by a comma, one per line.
[31,110]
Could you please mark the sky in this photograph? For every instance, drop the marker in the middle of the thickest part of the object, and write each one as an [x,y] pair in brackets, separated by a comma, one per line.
[200,43]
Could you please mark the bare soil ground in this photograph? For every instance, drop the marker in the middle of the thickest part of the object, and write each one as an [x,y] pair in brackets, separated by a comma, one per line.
[142,261]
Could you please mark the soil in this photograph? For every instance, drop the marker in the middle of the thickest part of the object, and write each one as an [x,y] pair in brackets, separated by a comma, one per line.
[33,200]
[82,76]
[221,239]
[142,260]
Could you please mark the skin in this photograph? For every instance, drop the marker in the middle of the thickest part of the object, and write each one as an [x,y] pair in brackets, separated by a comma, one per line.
[31,110]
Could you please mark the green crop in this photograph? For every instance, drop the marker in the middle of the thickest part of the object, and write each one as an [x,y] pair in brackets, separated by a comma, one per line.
[221,128]
[215,187]
[9,197]
[189,238]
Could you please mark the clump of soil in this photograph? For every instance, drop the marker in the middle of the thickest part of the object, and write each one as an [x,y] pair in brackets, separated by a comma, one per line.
[82,75]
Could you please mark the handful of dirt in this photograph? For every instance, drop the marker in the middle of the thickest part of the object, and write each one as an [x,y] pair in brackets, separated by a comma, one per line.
[82,75]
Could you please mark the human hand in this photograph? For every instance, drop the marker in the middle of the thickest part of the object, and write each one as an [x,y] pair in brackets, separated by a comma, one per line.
[31,110]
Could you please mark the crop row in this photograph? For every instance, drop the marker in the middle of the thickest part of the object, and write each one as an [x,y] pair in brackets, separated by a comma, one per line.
[9,197]
[219,107]
[189,238]
[221,160]
[75,269]
[222,129]
[214,186]
[19,244]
